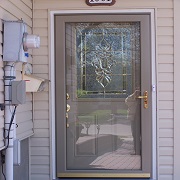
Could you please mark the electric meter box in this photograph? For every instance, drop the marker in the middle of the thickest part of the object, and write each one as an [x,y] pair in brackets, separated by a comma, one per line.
[18,92]
[13,41]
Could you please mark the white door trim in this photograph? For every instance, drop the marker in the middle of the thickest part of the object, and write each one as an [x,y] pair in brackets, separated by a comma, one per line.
[176,89]
[52,13]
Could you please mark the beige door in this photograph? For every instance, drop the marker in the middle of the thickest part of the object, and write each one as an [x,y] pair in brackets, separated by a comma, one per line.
[103,96]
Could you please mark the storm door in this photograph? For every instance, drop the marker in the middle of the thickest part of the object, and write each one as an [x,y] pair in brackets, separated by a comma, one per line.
[103,96]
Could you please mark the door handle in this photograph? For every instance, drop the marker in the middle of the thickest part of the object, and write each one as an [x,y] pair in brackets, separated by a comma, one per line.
[145,97]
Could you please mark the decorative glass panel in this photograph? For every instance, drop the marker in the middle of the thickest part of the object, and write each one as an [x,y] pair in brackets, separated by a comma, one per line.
[108,55]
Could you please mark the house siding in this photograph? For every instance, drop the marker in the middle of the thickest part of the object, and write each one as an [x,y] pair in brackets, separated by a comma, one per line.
[13,10]
[40,142]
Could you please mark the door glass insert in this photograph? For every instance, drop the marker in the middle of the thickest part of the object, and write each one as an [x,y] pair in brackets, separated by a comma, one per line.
[108,55]
[103,62]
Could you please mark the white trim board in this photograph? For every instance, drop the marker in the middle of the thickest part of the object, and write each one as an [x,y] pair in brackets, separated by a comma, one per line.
[52,13]
[176,90]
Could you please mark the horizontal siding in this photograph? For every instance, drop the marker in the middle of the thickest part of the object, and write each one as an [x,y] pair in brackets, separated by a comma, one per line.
[166,76]
[166,86]
[165,31]
[43,50]
[13,10]
[41,31]
[54,4]
[41,115]
[166,141]
[168,40]
[165,22]
[165,12]
[41,124]
[165,59]
[39,142]
[165,80]
[40,14]
[166,160]
[40,22]
[166,114]
[40,151]
[40,177]
[166,123]
[41,105]
[1,82]
[41,133]
[166,105]
[166,151]
[168,133]
[40,60]
[42,169]
[167,48]
[166,177]
[40,69]
[166,169]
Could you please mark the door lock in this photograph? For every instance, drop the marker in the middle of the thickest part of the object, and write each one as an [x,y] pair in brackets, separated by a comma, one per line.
[145,97]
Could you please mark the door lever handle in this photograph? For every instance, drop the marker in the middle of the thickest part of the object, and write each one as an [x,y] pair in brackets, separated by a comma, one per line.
[145,97]
[142,97]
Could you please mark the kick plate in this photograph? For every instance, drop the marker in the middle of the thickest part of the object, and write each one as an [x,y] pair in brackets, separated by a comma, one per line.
[101,175]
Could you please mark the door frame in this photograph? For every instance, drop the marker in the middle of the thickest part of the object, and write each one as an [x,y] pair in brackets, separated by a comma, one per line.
[51,20]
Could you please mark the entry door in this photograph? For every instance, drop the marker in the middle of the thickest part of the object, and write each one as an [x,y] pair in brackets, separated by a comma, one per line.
[103,96]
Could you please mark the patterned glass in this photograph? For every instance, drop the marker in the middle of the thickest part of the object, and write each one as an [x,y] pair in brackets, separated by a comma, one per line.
[108,55]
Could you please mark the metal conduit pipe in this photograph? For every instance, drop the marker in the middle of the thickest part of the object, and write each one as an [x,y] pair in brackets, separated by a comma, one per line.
[9,76]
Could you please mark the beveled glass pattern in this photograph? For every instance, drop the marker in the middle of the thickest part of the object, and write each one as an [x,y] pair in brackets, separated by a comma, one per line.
[108,55]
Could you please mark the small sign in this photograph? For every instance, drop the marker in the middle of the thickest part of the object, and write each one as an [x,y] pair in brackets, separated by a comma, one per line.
[100,2]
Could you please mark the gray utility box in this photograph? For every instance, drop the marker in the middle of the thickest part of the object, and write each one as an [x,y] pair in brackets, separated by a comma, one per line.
[13,41]
[18,92]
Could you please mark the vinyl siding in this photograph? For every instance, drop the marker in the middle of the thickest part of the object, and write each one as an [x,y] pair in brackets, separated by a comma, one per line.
[165,81]
[1,94]
[165,40]
[1,86]
[13,10]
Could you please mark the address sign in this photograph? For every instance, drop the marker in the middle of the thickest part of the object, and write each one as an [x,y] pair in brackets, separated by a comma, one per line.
[100,2]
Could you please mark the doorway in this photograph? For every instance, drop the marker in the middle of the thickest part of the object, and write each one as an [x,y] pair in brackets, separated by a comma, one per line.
[103,95]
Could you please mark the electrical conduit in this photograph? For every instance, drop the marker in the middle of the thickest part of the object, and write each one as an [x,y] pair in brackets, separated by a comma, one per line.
[9,76]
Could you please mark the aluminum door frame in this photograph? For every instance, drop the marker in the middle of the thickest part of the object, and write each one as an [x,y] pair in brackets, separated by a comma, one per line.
[65,11]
